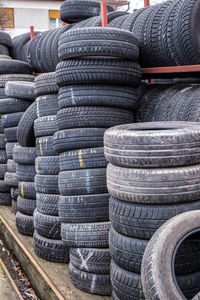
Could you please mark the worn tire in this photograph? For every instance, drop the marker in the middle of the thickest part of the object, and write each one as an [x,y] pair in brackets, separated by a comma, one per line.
[45,84]
[44,146]
[47,105]
[27,190]
[45,126]
[5,199]
[25,172]
[47,226]
[49,249]
[24,224]
[83,209]
[24,155]
[11,120]
[46,184]
[26,206]
[47,204]
[20,90]
[47,165]
[12,66]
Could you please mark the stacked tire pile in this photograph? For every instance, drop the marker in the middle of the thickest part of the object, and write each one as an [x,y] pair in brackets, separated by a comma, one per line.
[178,102]
[153,175]
[5,45]
[87,106]
[20,95]
[24,157]
[47,237]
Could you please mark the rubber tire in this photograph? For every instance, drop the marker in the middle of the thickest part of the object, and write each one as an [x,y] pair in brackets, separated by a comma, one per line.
[156,144]
[24,224]
[25,172]
[82,159]
[91,260]
[109,70]
[9,149]
[11,166]
[47,105]
[84,209]
[51,250]
[46,184]
[12,66]
[45,126]
[92,116]
[5,199]
[11,179]
[11,120]
[15,77]
[11,134]
[20,90]
[47,226]
[44,146]
[27,190]
[45,84]
[163,239]
[47,204]
[82,182]
[47,165]
[155,185]
[24,155]
[102,41]
[97,94]
[85,235]
[12,105]
[73,139]
[26,206]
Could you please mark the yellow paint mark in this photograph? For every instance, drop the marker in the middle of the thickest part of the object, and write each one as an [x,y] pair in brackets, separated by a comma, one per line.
[22,189]
[140,288]
[41,152]
[80,158]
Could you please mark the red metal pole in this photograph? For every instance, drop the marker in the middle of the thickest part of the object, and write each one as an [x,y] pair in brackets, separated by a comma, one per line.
[32,33]
[64,24]
[146,3]
[104,16]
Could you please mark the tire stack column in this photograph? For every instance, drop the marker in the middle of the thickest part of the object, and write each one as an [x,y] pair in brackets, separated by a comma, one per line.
[21,95]
[47,239]
[87,107]
[153,175]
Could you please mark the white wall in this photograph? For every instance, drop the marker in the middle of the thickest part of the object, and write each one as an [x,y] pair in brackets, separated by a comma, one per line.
[25,17]
[32,4]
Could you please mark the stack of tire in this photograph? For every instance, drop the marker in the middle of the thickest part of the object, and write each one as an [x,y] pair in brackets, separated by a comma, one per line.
[24,158]
[21,95]
[178,102]
[10,70]
[47,237]
[94,94]
[5,44]
[153,175]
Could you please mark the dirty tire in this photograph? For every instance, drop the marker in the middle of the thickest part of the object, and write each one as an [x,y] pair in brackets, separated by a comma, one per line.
[24,224]
[45,84]
[86,235]
[45,126]
[26,206]
[47,105]
[27,189]
[47,204]
[5,199]
[47,165]
[25,172]
[20,90]
[47,226]
[51,250]
[11,179]
[46,184]
[24,155]
[44,146]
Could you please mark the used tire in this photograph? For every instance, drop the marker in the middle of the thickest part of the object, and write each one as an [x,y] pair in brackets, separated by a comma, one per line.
[20,90]
[47,105]
[12,66]
[11,179]
[24,224]
[44,146]
[24,155]
[25,172]
[11,120]
[86,235]
[83,209]
[45,84]
[5,199]
[82,182]
[47,204]
[26,206]
[47,226]
[47,165]
[27,189]
[49,249]
[46,184]
[45,126]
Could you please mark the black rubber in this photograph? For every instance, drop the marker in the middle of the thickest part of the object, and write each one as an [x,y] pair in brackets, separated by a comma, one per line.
[91,260]
[73,139]
[10,134]
[86,235]
[5,198]
[3,142]
[24,224]
[97,94]
[47,105]
[85,281]
[156,144]
[92,116]
[83,209]
[9,149]
[82,159]
[15,77]
[26,206]
[82,182]
[49,249]
[46,184]
[25,131]
[11,179]
[45,126]
[154,185]
[11,166]
[11,66]
[11,120]
[25,172]
[93,70]
[45,84]
[126,217]
[27,190]
[3,170]
[5,39]
[102,41]
[24,155]
[47,204]
[73,11]
[44,146]
[47,226]
[20,90]
[12,105]
[47,165]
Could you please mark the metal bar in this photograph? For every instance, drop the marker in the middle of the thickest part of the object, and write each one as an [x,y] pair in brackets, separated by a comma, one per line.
[64,24]
[146,3]
[11,280]
[32,33]
[173,69]
[104,16]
